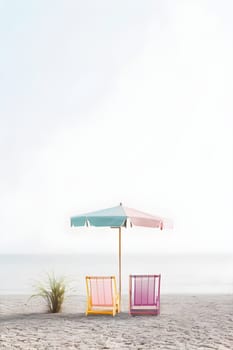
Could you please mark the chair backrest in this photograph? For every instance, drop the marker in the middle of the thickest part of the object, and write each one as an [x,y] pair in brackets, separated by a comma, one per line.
[144,290]
[101,290]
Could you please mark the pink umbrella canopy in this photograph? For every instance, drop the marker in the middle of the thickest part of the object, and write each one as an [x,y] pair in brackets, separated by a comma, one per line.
[139,218]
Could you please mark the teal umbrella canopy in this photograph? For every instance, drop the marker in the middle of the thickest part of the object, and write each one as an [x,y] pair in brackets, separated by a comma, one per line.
[111,217]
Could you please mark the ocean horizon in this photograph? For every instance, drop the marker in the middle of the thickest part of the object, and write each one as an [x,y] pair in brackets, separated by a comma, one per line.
[180,273]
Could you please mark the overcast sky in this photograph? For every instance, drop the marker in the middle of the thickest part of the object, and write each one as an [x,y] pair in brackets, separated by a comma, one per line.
[103,102]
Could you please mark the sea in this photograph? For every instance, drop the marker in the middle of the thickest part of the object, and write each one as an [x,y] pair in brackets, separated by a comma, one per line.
[180,273]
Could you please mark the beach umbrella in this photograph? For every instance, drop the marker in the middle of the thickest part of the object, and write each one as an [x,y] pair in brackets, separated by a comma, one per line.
[118,217]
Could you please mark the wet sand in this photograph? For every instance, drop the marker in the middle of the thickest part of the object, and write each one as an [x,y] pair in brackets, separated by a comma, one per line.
[186,322]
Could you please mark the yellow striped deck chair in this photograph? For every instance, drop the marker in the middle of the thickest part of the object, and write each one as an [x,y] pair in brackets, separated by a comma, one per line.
[102,296]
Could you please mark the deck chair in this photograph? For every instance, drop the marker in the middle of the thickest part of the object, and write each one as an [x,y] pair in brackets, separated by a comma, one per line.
[102,296]
[144,294]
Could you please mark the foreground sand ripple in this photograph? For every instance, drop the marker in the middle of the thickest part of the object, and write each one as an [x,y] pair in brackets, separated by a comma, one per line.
[186,322]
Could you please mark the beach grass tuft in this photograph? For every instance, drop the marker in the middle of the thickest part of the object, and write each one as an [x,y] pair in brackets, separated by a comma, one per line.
[52,291]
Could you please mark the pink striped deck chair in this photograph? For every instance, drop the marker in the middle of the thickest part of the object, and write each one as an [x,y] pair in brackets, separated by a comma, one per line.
[102,296]
[144,294]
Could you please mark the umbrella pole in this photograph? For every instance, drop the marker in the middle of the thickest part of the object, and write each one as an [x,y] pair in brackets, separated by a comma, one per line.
[120,266]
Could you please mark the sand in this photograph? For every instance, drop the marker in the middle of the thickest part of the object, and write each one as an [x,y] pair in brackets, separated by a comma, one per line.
[185,322]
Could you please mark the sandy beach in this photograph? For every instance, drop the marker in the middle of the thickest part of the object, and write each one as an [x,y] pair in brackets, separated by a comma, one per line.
[186,322]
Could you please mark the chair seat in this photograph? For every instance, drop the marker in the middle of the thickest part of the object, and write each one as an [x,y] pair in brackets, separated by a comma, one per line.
[144,311]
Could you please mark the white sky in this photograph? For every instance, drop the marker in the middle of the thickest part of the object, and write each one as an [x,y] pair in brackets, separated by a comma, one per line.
[105,102]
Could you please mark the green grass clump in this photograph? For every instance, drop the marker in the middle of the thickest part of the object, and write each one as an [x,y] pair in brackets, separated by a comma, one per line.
[53,292]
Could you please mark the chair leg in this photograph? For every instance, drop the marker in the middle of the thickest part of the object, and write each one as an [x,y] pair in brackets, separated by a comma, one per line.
[118,307]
